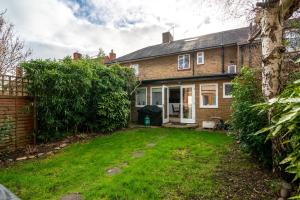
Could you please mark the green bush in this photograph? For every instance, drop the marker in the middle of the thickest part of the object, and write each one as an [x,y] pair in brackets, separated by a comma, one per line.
[68,93]
[113,107]
[285,126]
[245,120]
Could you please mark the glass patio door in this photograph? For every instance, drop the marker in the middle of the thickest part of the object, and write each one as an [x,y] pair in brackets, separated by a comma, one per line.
[165,104]
[187,104]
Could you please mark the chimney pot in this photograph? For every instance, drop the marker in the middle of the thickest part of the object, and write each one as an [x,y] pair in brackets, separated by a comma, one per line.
[77,56]
[112,55]
[167,37]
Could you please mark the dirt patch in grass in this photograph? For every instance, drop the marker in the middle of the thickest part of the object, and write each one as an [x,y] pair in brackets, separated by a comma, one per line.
[238,177]
[34,151]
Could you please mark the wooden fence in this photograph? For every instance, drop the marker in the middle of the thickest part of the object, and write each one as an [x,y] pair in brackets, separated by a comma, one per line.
[16,113]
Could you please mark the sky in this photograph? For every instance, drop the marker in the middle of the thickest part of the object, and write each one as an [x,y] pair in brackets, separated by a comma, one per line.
[57,28]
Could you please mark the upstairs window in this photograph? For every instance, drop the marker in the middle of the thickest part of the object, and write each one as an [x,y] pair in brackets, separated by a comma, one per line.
[184,62]
[135,67]
[231,69]
[208,95]
[227,90]
[200,58]
[292,41]
[141,97]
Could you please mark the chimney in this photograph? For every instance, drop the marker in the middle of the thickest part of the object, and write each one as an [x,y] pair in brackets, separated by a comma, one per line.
[77,56]
[167,37]
[19,72]
[112,55]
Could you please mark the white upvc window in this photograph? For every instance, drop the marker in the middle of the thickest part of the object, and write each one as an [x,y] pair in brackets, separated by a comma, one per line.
[200,58]
[209,95]
[184,62]
[231,69]
[141,97]
[227,90]
[292,40]
[135,67]
[156,96]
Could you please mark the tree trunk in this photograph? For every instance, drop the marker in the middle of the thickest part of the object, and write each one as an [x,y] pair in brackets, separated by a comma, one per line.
[271,23]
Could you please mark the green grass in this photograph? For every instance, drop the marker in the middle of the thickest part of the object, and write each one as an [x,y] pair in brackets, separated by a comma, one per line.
[180,166]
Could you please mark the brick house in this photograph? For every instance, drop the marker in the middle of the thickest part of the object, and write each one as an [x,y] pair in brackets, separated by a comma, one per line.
[190,78]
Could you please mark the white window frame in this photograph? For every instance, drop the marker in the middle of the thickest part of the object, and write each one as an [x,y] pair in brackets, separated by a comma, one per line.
[217,96]
[136,97]
[151,95]
[224,95]
[178,62]
[200,53]
[228,71]
[136,68]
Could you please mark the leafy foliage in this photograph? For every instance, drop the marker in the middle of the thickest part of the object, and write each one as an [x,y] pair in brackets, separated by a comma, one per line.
[285,125]
[113,107]
[68,93]
[5,128]
[245,120]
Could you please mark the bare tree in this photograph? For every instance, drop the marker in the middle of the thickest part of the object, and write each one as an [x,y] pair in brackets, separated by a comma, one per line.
[12,50]
[271,16]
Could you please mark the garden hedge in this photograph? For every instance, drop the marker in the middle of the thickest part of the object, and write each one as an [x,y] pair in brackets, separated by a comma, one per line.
[75,96]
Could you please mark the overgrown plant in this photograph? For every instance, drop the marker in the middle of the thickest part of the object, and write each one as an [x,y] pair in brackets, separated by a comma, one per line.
[68,94]
[5,128]
[245,120]
[285,126]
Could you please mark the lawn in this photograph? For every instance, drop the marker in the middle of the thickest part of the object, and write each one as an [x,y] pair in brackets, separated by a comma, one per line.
[153,163]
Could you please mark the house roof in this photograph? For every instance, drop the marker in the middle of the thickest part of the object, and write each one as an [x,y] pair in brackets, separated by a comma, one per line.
[229,37]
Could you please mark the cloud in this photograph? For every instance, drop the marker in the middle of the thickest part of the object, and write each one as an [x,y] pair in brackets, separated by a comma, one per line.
[56,28]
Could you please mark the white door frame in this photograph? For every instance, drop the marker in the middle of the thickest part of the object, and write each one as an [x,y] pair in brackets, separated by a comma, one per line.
[165,104]
[193,119]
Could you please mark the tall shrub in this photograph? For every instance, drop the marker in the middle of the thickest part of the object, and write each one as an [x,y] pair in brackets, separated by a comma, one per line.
[285,126]
[68,94]
[245,120]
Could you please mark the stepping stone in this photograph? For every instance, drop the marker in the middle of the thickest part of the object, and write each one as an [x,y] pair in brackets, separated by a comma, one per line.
[74,196]
[125,164]
[151,145]
[21,158]
[138,154]
[114,171]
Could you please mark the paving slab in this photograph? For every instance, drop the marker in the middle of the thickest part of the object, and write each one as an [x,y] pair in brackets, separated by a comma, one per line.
[138,154]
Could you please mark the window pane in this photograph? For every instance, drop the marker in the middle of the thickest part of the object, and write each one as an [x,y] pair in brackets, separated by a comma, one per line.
[200,58]
[135,67]
[228,89]
[156,96]
[186,61]
[141,97]
[209,95]
[183,62]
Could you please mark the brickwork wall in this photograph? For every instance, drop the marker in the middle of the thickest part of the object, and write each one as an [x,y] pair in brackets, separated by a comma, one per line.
[167,66]
[202,114]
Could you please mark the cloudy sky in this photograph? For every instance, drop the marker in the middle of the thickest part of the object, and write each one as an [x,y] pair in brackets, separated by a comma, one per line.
[56,28]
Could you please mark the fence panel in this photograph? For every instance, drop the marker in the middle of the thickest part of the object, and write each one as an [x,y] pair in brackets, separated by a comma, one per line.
[16,113]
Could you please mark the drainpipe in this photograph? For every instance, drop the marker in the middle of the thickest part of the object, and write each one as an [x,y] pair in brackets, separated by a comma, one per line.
[193,57]
[222,55]
[222,61]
